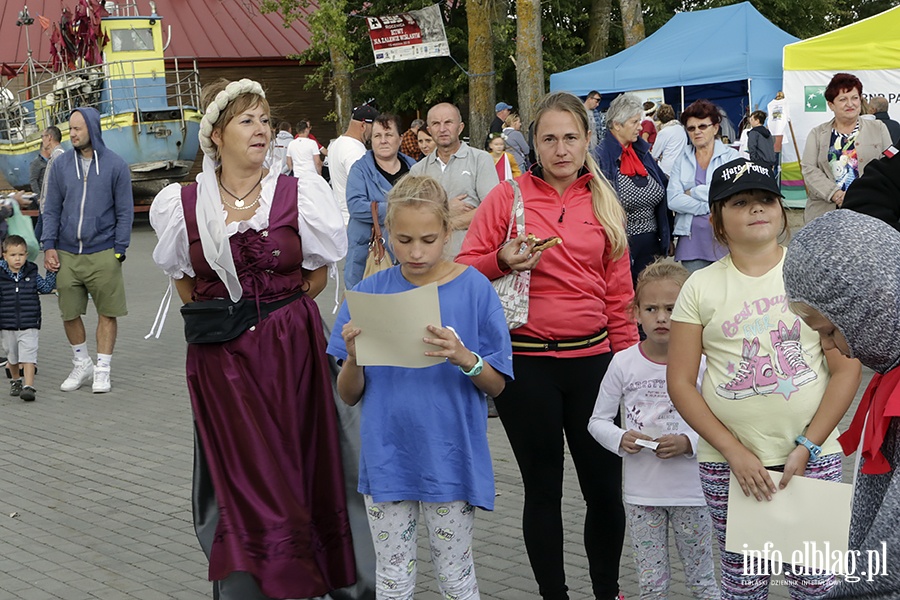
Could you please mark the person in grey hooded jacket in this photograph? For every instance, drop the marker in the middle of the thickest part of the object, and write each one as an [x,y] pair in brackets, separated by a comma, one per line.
[760,143]
[842,276]
[88,213]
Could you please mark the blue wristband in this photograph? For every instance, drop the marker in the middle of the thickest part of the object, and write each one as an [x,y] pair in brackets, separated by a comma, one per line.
[476,370]
[814,450]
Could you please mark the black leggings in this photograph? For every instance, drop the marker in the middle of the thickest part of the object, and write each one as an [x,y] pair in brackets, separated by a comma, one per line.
[548,397]
[643,248]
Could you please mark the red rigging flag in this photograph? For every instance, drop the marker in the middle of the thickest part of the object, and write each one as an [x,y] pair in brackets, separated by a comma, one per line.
[44,21]
[408,36]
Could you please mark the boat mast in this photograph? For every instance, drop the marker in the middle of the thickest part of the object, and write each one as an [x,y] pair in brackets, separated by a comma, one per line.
[30,73]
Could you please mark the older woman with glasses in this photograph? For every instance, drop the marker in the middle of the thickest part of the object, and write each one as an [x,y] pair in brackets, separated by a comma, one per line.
[688,190]
[624,158]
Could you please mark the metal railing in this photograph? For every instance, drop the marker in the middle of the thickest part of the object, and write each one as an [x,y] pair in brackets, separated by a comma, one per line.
[26,111]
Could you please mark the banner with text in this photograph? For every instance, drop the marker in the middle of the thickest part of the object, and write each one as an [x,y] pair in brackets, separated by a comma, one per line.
[408,36]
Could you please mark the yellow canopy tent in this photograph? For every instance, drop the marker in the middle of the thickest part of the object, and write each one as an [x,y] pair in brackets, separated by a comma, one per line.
[870,49]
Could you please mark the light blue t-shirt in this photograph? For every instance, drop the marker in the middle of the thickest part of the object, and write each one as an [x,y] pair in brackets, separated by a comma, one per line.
[424,431]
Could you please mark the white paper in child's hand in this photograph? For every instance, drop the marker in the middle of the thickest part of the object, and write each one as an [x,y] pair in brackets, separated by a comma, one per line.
[647,444]
[393,327]
[807,523]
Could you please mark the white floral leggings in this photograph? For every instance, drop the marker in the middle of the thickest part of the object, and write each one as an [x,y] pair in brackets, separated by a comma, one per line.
[450,528]
[649,527]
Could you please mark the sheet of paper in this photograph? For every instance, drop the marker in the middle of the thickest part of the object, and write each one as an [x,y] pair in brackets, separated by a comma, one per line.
[393,325]
[806,524]
[647,444]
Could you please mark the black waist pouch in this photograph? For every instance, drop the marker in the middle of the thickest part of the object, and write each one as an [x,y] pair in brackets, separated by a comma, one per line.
[221,320]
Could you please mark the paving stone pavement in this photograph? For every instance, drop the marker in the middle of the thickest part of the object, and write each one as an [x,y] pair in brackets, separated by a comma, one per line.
[95,488]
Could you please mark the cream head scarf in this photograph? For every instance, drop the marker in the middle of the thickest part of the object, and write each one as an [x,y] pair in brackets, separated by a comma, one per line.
[210,219]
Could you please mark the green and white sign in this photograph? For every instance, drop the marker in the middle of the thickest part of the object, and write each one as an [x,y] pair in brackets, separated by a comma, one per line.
[814,98]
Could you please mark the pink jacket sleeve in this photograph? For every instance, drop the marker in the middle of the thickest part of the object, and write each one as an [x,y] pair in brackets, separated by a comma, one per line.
[623,332]
[487,233]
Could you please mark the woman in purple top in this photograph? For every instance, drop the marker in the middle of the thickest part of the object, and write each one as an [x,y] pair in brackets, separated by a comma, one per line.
[688,191]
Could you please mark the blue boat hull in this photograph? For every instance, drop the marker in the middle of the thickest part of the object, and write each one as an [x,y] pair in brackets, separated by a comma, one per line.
[155,151]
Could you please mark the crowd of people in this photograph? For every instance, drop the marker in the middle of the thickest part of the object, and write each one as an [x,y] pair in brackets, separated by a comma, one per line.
[647,362]
[673,339]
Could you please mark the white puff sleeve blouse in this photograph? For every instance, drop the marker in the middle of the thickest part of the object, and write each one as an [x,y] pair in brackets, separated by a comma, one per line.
[320,224]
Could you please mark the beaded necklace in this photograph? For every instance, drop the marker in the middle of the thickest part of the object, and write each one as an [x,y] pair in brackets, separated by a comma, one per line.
[242,207]
[239,201]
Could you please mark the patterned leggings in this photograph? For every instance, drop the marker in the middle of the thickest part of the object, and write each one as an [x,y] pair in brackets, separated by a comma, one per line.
[714,478]
[649,527]
[450,528]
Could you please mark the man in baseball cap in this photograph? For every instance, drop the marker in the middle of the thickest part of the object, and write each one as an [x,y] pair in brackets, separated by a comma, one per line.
[364,114]
[344,151]
[502,111]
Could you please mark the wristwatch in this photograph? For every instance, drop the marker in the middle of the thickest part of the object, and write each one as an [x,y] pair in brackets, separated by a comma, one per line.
[814,450]
[476,370]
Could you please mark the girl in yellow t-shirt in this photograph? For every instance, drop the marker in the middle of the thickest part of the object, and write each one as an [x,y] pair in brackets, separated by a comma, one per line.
[771,397]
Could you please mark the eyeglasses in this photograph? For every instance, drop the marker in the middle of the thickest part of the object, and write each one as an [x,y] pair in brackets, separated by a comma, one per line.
[701,127]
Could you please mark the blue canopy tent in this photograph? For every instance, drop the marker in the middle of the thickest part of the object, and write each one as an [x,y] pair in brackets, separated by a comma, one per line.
[731,55]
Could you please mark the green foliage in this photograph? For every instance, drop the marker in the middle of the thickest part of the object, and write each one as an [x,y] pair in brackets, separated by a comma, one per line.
[407,86]
[410,86]
[802,18]
[396,87]
[564,25]
[330,35]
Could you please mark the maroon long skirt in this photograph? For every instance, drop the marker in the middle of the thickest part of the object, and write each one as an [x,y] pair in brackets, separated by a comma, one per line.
[267,429]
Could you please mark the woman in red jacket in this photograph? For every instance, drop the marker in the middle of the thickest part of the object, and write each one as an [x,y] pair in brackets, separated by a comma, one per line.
[578,315]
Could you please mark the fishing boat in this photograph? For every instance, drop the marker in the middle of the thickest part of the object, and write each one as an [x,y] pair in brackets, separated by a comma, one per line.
[113,59]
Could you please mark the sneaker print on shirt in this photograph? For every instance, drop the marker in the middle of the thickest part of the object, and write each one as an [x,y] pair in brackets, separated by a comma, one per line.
[761,376]
[791,363]
[755,375]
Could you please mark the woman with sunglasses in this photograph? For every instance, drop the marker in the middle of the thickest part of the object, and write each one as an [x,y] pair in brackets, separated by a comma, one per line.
[688,191]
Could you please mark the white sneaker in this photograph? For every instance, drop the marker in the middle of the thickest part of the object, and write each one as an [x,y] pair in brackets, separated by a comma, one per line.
[101,381]
[80,375]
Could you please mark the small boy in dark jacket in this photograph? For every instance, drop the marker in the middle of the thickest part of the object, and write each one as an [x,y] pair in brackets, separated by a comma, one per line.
[20,313]
[760,143]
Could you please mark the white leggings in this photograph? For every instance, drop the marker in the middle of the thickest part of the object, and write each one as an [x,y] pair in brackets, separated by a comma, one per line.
[450,528]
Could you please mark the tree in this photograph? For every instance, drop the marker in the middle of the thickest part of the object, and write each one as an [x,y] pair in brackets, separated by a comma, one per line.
[802,18]
[340,42]
[328,28]
[598,32]
[632,22]
[481,69]
[529,58]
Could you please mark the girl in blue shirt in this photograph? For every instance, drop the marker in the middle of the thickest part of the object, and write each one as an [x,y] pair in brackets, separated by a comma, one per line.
[424,447]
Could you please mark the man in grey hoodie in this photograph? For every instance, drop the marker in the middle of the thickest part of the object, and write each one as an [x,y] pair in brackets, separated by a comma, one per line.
[88,213]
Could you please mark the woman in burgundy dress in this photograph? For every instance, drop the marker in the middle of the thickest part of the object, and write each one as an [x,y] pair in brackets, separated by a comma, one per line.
[268,498]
